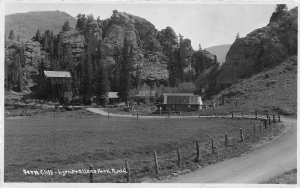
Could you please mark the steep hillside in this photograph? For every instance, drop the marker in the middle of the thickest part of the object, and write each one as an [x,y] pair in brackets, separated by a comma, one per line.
[25,25]
[259,51]
[220,51]
[273,90]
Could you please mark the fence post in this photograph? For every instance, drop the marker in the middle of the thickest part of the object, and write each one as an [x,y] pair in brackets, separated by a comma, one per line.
[267,115]
[278,117]
[128,171]
[269,120]
[91,174]
[226,139]
[212,146]
[254,129]
[231,115]
[241,135]
[178,158]
[255,115]
[156,162]
[198,152]
[273,118]
[137,114]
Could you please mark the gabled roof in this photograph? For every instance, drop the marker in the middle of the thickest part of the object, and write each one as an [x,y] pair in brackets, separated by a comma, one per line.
[57,74]
[113,95]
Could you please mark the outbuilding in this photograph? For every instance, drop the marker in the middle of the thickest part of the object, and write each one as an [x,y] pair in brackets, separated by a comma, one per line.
[57,86]
[181,102]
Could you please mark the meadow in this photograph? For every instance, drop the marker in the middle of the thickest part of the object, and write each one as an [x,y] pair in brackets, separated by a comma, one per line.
[74,143]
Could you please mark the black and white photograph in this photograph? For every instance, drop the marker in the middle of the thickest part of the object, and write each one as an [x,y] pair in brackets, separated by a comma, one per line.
[152,92]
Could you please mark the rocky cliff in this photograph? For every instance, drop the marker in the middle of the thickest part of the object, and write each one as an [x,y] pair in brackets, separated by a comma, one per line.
[261,49]
[152,49]
[156,57]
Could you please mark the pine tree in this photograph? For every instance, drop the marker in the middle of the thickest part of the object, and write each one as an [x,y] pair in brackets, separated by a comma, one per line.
[104,84]
[41,67]
[66,27]
[237,35]
[19,74]
[86,89]
[51,43]
[11,35]
[125,77]
[37,36]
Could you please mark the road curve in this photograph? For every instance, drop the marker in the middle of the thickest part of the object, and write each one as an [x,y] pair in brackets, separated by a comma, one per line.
[264,163]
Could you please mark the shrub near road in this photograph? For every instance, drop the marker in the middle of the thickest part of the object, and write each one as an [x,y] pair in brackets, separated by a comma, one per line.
[66,144]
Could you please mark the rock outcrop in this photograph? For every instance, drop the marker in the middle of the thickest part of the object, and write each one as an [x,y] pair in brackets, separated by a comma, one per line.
[33,53]
[141,36]
[261,49]
[155,57]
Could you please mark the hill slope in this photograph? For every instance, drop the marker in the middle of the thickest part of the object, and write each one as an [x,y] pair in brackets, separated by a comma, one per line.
[273,90]
[220,51]
[260,51]
[26,24]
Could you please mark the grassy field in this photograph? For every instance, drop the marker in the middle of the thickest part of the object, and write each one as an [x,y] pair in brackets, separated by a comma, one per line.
[73,143]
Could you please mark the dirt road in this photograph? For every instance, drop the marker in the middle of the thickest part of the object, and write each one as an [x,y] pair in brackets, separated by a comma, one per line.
[263,163]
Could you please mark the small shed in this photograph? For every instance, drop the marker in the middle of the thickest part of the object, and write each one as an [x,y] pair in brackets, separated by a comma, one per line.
[181,102]
[58,85]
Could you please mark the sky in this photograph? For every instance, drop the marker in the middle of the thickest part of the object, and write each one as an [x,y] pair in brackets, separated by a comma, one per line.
[205,24]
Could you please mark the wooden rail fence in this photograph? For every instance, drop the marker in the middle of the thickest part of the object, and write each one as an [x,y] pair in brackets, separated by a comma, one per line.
[179,159]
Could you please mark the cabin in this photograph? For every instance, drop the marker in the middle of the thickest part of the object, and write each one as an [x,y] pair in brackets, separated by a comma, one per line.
[57,86]
[181,102]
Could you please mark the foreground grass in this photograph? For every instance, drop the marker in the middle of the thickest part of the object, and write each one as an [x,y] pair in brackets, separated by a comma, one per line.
[74,143]
[289,177]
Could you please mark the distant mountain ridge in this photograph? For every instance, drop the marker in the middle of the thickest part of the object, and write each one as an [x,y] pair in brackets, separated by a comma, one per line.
[220,51]
[25,25]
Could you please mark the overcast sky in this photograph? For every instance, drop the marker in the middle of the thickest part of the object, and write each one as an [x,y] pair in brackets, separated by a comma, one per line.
[204,24]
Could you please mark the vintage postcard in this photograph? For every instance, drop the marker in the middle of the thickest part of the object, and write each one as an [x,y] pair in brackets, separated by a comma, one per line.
[150,92]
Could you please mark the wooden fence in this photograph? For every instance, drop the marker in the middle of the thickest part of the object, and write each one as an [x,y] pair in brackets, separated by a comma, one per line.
[264,121]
